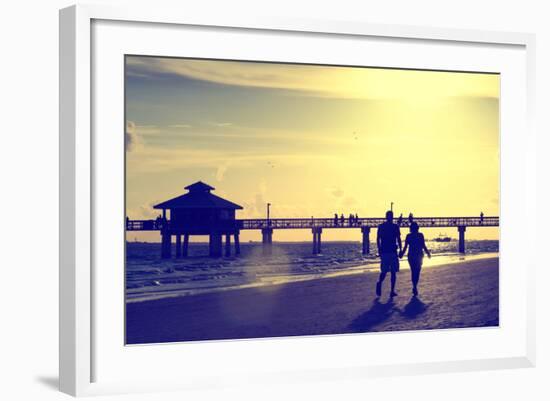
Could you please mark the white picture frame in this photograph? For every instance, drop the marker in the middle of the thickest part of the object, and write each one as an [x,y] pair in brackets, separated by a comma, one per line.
[78,151]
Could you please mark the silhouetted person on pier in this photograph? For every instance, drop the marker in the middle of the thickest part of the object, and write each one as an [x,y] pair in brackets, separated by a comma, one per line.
[342,219]
[388,240]
[411,219]
[400,220]
[416,245]
[127,222]
[336,219]
[350,219]
[356,219]
[481,215]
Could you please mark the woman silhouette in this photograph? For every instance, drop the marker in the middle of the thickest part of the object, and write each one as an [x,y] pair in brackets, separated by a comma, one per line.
[417,246]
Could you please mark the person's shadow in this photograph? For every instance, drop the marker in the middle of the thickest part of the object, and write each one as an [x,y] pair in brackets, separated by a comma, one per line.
[414,308]
[378,313]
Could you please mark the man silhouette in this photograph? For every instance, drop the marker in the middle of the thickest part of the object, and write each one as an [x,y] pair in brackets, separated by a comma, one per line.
[388,240]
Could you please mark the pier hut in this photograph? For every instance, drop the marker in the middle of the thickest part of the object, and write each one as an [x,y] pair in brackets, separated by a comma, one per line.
[199,212]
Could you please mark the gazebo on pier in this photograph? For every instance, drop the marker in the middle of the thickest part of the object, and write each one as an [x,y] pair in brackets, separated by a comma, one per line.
[199,212]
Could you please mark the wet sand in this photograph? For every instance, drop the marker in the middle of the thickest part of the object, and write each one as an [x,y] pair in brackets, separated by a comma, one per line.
[451,296]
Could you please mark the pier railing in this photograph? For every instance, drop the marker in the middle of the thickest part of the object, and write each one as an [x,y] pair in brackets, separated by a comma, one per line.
[316,225]
[298,223]
[144,225]
[346,222]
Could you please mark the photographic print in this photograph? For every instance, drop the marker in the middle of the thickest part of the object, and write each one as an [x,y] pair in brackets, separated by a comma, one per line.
[275,199]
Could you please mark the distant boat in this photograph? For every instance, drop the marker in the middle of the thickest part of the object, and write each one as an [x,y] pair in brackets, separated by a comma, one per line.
[442,238]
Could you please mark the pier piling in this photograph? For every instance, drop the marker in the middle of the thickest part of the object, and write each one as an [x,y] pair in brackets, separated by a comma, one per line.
[461,239]
[316,240]
[215,245]
[227,245]
[366,240]
[185,250]
[237,244]
[178,245]
[267,240]
[166,245]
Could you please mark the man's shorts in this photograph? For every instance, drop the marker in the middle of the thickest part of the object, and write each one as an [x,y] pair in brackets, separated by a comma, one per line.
[389,262]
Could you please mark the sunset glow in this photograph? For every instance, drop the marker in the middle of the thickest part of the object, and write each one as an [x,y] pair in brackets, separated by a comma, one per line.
[312,140]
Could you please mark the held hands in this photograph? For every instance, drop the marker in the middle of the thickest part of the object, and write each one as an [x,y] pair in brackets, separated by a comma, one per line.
[429,255]
[401,253]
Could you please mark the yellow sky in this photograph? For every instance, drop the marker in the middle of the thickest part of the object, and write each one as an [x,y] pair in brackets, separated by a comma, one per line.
[313,140]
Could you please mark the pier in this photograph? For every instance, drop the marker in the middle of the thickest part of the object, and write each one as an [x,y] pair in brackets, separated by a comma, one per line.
[363,225]
[199,212]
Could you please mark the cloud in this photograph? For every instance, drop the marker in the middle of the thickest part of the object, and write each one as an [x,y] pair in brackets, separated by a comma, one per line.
[216,124]
[151,159]
[142,130]
[144,211]
[349,201]
[340,198]
[336,192]
[260,204]
[221,170]
[256,207]
[134,135]
[131,139]
[322,81]
[263,186]
[180,126]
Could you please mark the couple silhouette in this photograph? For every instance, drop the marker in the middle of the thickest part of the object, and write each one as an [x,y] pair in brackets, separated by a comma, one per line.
[388,240]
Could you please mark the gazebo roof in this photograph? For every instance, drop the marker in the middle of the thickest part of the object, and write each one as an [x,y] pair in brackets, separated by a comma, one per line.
[198,197]
[199,186]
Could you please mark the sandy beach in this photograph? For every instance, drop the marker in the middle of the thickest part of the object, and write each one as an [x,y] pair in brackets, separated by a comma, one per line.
[457,295]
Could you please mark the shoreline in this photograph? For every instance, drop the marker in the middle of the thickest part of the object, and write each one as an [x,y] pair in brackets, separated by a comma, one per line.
[458,295]
[275,279]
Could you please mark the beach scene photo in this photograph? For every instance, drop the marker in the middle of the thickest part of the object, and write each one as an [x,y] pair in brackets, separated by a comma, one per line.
[272,199]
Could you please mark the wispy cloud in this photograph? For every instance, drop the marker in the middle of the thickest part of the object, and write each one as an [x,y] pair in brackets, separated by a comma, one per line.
[156,159]
[336,192]
[351,82]
[180,126]
[131,138]
[134,135]
[223,124]
[256,205]
[144,211]
[148,129]
[220,172]
[349,201]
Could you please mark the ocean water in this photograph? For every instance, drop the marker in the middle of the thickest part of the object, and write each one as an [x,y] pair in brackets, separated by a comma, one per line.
[150,277]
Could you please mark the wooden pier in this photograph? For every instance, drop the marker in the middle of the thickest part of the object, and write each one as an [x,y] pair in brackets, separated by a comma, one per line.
[200,212]
[317,225]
